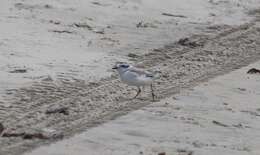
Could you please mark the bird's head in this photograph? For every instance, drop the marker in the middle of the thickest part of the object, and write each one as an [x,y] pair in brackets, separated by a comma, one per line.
[121,67]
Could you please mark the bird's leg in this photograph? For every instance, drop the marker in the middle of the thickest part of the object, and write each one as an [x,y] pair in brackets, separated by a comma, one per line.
[138,92]
[152,91]
[143,88]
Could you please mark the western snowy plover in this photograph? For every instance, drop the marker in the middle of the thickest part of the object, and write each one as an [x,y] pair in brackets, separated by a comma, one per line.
[135,77]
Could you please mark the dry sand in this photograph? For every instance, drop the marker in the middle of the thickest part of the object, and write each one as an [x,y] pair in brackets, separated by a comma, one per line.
[217,117]
[67,40]
[56,57]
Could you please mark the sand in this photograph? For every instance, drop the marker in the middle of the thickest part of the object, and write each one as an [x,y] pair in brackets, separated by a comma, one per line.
[218,116]
[65,40]
[56,58]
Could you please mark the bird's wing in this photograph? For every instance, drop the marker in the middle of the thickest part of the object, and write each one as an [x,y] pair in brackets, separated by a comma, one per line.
[140,72]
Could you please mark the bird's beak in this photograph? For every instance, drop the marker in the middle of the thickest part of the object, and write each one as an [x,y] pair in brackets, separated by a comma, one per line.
[115,67]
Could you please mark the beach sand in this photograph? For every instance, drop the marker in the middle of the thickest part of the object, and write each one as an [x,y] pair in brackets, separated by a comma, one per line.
[220,116]
[56,58]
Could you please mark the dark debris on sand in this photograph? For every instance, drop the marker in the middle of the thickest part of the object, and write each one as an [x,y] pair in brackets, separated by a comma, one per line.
[184,152]
[162,153]
[61,110]
[32,135]
[219,123]
[253,71]
[187,42]
[1,128]
[18,71]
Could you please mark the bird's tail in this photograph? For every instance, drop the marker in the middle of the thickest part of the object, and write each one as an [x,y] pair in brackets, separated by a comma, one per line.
[156,75]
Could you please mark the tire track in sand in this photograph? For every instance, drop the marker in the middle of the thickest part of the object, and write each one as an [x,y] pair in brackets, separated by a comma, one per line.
[90,104]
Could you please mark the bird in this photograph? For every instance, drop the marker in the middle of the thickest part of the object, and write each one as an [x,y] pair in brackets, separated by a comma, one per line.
[133,76]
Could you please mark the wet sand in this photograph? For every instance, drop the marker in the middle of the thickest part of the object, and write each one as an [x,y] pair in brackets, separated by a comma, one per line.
[56,57]
[219,116]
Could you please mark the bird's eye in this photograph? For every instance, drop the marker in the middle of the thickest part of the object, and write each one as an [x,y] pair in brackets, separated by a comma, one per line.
[124,66]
